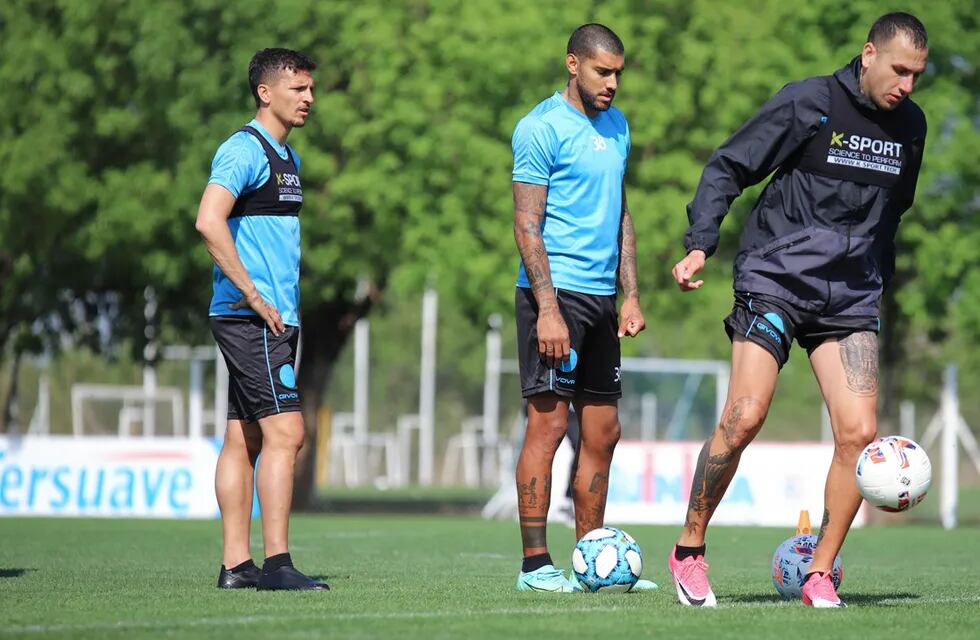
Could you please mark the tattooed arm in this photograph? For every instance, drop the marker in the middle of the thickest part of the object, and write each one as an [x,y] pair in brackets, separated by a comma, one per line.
[529,210]
[631,320]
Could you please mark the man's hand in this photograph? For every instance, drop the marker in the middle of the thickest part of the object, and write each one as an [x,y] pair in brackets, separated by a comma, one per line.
[553,341]
[631,320]
[687,268]
[265,310]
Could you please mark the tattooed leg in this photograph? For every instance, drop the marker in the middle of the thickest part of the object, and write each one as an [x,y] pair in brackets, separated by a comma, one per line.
[546,424]
[859,358]
[590,487]
[823,524]
[718,463]
[847,370]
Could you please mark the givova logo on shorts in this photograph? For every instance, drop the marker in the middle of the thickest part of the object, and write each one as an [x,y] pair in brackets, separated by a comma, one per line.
[568,367]
[776,322]
[287,376]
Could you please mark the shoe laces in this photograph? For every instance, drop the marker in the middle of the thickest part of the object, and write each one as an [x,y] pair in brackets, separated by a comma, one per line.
[694,573]
[549,575]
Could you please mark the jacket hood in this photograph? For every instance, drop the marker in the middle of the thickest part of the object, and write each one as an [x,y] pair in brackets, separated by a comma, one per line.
[850,78]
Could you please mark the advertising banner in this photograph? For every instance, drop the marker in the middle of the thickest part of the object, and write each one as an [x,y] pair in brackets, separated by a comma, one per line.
[108,476]
[649,483]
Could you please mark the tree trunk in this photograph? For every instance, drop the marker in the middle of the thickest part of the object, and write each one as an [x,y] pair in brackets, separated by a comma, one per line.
[8,416]
[326,329]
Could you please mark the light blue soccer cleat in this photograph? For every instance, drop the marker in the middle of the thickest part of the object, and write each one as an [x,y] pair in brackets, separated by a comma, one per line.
[644,585]
[547,578]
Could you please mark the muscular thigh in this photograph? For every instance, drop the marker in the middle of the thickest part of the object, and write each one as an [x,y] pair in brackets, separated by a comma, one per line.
[847,371]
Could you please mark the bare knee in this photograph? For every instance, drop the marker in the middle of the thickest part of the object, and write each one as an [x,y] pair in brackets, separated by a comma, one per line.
[544,435]
[286,432]
[741,422]
[850,438]
[602,440]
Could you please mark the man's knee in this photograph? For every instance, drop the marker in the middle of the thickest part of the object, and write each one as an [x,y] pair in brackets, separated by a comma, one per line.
[283,431]
[603,439]
[852,436]
[545,433]
[742,420]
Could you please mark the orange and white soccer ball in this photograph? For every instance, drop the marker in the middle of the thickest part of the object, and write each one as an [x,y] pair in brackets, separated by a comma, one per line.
[894,473]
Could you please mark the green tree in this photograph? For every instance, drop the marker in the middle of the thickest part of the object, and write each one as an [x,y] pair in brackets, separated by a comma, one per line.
[118,107]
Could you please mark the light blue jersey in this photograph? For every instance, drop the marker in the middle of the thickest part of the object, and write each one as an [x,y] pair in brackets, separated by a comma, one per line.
[582,161]
[268,245]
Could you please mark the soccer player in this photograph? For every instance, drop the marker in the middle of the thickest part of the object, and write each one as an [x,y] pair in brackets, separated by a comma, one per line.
[249,220]
[575,236]
[815,255]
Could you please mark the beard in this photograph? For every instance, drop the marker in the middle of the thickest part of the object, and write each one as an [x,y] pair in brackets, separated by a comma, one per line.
[592,99]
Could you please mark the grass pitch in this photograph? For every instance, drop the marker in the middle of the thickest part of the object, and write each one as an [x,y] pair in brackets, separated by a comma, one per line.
[453,577]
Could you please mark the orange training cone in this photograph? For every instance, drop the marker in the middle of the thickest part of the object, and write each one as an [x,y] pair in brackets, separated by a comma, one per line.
[804,524]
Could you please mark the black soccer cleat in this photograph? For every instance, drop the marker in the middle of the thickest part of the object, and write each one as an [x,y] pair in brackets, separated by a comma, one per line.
[289,579]
[245,579]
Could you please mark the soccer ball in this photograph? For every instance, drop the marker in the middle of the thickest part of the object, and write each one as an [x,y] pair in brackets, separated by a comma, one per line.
[893,473]
[607,559]
[791,563]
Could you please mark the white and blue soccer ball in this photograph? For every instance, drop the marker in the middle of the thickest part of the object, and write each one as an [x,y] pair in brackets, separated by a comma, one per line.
[607,559]
[791,563]
[893,473]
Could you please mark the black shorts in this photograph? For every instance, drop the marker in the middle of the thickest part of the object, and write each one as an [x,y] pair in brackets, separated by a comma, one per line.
[592,371]
[261,366]
[773,324]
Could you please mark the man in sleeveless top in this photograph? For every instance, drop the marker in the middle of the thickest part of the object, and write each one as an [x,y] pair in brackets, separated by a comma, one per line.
[816,253]
[249,220]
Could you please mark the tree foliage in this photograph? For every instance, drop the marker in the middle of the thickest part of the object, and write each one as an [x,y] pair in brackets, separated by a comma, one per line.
[116,107]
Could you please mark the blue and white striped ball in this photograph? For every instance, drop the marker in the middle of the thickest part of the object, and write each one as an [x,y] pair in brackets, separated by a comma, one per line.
[607,559]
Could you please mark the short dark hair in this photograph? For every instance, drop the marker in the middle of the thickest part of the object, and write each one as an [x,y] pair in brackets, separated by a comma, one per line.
[268,62]
[891,24]
[591,37]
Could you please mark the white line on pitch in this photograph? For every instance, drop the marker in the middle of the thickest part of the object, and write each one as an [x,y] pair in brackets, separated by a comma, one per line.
[123,625]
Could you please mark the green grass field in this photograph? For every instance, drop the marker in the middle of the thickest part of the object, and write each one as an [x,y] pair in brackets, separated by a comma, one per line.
[453,577]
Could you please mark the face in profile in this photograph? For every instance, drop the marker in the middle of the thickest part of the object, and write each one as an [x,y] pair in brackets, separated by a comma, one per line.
[596,77]
[891,70]
[289,95]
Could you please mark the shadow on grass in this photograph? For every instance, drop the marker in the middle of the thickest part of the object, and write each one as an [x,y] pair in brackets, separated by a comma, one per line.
[14,573]
[893,599]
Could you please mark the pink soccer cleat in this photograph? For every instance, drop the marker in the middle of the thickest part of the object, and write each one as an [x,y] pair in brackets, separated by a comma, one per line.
[691,579]
[818,592]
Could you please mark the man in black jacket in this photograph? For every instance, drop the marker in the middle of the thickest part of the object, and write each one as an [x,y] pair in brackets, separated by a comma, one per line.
[815,254]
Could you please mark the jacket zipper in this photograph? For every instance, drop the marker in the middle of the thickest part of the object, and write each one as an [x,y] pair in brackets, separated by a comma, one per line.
[847,250]
[785,246]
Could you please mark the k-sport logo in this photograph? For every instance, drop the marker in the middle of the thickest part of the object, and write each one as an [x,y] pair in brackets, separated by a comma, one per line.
[287,180]
[864,143]
[862,152]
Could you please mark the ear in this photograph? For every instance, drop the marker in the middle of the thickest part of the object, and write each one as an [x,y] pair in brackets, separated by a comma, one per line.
[868,55]
[265,95]
[571,64]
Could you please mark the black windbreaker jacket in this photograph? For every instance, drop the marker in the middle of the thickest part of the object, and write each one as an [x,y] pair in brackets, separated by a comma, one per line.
[824,244]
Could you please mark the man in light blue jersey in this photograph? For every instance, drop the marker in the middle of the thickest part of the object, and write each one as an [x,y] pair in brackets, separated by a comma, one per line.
[249,220]
[576,240]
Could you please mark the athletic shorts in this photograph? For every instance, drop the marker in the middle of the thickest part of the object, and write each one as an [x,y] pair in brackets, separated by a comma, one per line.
[592,371]
[773,324]
[261,366]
